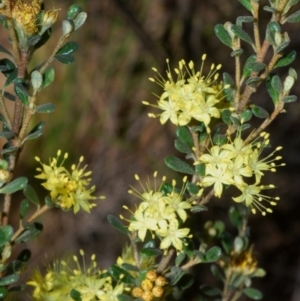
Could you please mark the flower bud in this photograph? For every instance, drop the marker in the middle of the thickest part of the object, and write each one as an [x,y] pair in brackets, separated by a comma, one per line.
[147,285]
[147,296]
[160,281]
[137,292]
[67,27]
[151,275]
[288,83]
[157,291]
[49,19]
[278,38]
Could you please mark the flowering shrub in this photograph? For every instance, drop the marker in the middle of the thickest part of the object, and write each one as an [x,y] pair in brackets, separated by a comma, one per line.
[224,155]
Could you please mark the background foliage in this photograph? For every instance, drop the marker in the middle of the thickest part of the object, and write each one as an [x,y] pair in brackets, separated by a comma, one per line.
[99,115]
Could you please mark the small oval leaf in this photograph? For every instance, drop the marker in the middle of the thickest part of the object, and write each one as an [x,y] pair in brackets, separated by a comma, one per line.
[45,108]
[31,195]
[15,185]
[116,223]
[223,35]
[178,165]
[6,233]
[212,255]
[253,293]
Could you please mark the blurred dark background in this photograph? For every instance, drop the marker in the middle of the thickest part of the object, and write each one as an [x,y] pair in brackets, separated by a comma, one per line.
[99,115]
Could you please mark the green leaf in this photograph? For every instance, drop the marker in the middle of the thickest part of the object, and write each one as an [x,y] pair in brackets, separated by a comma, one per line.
[253,81]
[270,9]
[3,292]
[123,297]
[273,94]
[216,272]
[253,293]
[64,54]
[116,223]
[255,66]
[226,242]
[235,217]
[243,19]
[166,188]
[246,70]
[73,11]
[129,267]
[181,147]
[293,18]
[185,282]
[200,170]
[7,135]
[286,59]
[229,92]
[15,185]
[282,46]
[223,35]
[178,165]
[11,77]
[6,233]
[9,96]
[31,195]
[45,108]
[185,136]
[276,84]
[24,255]
[120,274]
[68,49]
[33,40]
[290,98]
[31,231]
[245,126]
[65,59]
[247,4]
[48,77]
[212,255]
[219,139]
[192,188]
[243,35]
[237,52]
[7,66]
[24,207]
[210,291]
[7,149]
[271,29]
[175,275]
[260,112]
[7,280]
[226,114]
[151,252]
[75,295]
[22,92]
[180,258]
[198,208]
[246,115]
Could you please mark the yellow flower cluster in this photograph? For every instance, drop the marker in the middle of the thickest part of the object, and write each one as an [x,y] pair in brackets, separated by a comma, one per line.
[151,287]
[162,214]
[60,279]
[233,162]
[190,96]
[67,189]
[29,18]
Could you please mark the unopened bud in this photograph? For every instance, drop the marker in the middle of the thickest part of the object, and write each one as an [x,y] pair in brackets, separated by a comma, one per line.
[67,27]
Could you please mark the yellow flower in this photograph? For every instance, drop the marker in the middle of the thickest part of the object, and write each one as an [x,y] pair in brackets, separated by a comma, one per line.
[172,235]
[217,175]
[252,198]
[68,190]
[190,96]
[60,279]
[142,224]
[26,16]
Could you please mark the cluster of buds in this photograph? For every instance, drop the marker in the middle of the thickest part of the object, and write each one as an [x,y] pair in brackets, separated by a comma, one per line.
[151,287]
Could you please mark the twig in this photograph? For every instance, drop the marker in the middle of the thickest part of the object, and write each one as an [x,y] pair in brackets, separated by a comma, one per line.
[165,261]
